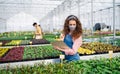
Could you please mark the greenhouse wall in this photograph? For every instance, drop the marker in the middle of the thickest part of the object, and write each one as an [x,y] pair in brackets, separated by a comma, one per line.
[2,25]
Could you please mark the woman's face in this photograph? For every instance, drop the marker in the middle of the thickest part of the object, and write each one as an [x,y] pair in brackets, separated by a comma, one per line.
[72,25]
[72,22]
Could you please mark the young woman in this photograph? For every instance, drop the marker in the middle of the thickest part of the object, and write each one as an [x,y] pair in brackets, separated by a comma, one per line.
[72,36]
[38,32]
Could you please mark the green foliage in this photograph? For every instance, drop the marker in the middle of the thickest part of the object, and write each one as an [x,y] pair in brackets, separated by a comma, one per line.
[100,47]
[40,52]
[16,35]
[51,37]
[101,66]
[25,42]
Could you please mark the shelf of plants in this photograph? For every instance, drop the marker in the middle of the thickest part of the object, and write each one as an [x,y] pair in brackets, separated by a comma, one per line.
[100,66]
[47,52]
[24,42]
[22,39]
[28,53]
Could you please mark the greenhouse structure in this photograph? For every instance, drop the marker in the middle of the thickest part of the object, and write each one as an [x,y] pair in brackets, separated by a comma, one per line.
[60,36]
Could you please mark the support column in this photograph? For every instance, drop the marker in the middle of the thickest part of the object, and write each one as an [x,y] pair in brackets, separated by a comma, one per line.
[78,8]
[114,19]
[92,16]
[119,17]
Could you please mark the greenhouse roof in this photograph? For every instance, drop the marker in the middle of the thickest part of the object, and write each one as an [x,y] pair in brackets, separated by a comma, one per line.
[40,8]
[37,8]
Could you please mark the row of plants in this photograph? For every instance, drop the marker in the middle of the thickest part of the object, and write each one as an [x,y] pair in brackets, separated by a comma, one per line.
[28,37]
[41,52]
[22,35]
[13,34]
[25,36]
[46,52]
[115,42]
[40,41]
[14,42]
[29,53]
[98,34]
[100,47]
[3,42]
[51,37]
[85,51]
[24,42]
[100,66]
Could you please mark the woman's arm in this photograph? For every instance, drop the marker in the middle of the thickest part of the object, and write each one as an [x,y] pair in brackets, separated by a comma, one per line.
[76,44]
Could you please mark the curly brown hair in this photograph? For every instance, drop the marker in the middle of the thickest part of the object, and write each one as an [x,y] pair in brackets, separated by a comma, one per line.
[78,30]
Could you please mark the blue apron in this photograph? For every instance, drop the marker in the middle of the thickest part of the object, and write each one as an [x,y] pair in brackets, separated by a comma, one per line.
[69,42]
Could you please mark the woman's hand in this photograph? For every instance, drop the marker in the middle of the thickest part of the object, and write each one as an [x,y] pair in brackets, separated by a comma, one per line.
[62,37]
[67,51]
